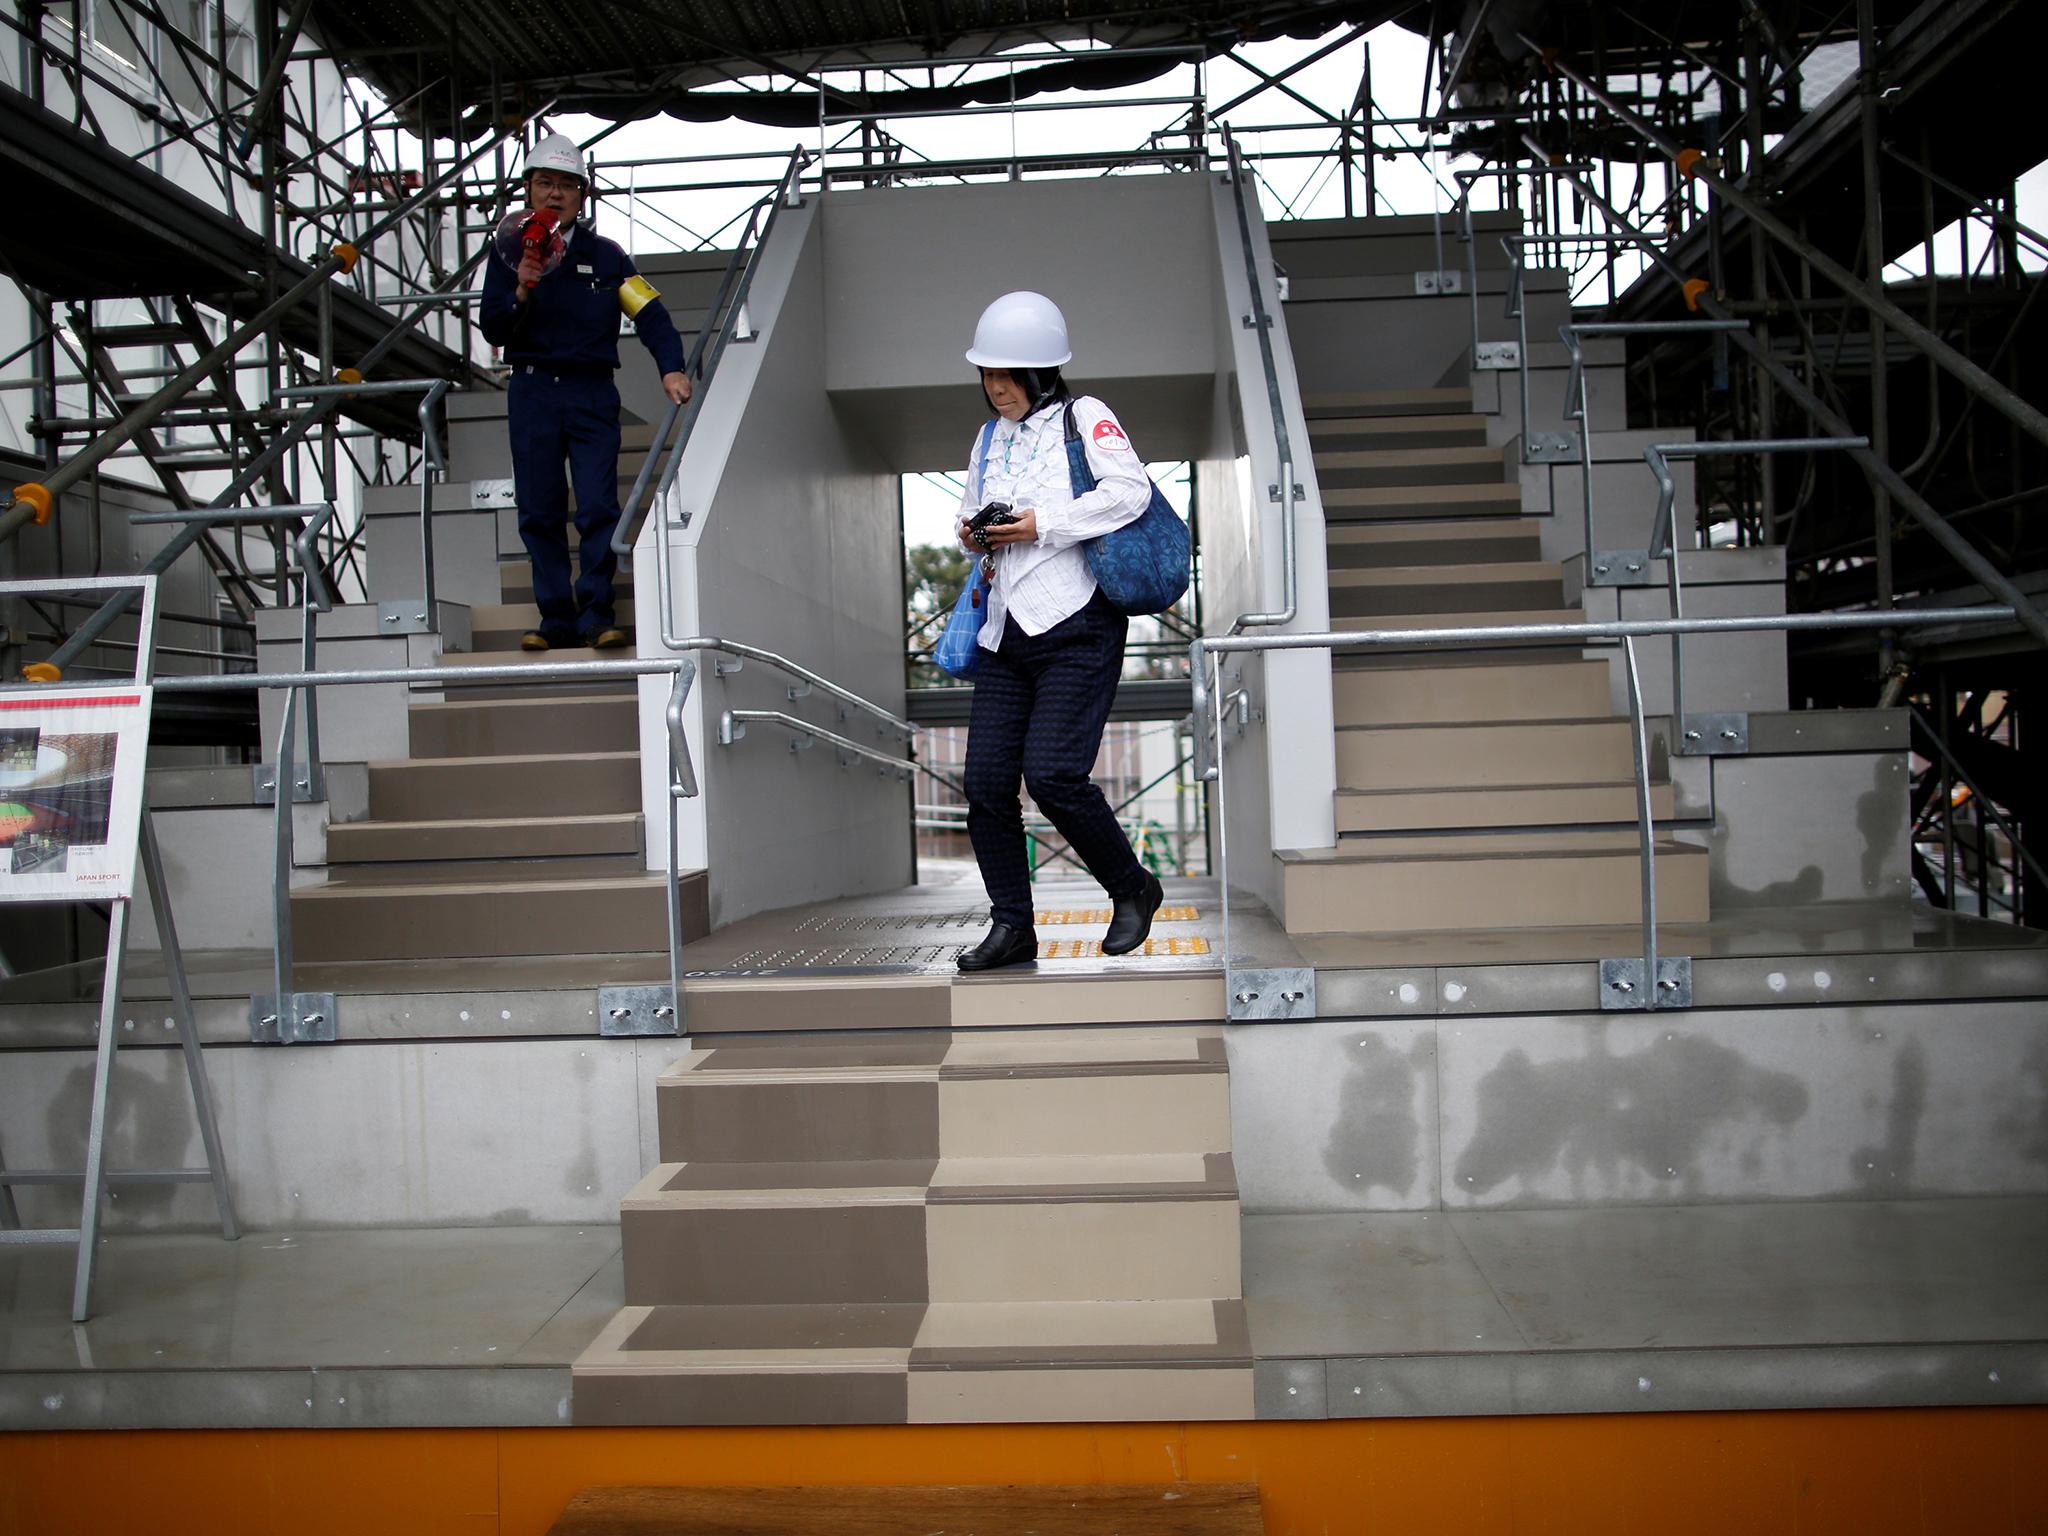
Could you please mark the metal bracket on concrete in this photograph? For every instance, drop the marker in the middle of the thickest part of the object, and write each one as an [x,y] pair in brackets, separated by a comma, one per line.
[1433,284]
[308,784]
[1273,493]
[492,493]
[1288,993]
[1618,567]
[409,616]
[1550,448]
[630,1011]
[1622,989]
[1497,356]
[310,1020]
[725,666]
[1725,735]
[1254,322]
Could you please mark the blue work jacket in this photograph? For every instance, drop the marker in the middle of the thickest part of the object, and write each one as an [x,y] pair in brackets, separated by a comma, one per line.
[571,319]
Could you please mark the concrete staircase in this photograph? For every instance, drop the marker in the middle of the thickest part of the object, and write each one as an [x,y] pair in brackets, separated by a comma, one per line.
[512,828]
[1479,787]
[1000,1226]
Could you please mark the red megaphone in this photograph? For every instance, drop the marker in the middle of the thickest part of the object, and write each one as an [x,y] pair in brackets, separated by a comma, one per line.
[538,236]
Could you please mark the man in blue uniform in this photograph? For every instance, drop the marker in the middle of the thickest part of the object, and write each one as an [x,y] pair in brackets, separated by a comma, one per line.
[560,334]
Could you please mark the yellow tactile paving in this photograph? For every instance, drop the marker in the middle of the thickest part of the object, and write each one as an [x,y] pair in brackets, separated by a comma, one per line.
[1102,915]
[1091,949]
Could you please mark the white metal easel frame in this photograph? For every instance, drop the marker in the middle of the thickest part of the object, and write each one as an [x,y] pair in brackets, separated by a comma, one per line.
[95,1178]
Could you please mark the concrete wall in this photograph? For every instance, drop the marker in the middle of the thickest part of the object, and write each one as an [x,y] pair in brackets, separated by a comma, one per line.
[405,1133]
[1880,1102]
[1131,261]
[794,544]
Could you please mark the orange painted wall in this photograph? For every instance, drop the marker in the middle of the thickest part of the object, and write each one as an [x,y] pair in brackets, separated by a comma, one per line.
[1868,1472]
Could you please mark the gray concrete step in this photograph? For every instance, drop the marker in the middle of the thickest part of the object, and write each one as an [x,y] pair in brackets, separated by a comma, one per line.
[453,788]
[1420,503]
[1479,465]
[472,910]
[1385,591]
[1478,541]
[521,837]
[1335,434]
[466,727]
[1475,883]
[1386,402]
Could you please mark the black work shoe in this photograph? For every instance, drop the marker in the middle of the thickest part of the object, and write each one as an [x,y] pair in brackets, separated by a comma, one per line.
[1003,946]
[1131,923]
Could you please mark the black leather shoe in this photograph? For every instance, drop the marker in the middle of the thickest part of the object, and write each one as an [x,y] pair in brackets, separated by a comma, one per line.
[1131,923]
[1003,946]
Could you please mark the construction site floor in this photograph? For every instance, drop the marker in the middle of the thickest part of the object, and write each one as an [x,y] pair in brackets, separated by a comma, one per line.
[1790,1305]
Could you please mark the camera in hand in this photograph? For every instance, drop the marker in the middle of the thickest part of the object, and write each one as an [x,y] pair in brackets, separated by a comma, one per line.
[994,515]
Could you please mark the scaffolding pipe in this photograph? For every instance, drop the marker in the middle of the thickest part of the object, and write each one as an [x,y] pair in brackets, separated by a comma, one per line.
[1973,378]
[1903,495]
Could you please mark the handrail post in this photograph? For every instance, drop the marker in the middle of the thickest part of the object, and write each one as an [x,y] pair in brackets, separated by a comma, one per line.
[680,783]
[281,875]
[434,461]
[1577,408]
[1638,740]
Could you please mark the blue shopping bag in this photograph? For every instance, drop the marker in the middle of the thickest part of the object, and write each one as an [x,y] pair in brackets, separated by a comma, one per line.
[959,648]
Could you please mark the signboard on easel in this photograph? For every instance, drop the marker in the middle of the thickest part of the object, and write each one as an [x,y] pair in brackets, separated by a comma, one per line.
[71,775]
[73,827]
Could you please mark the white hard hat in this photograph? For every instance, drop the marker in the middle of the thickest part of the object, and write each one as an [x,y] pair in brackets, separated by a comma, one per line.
[1020,330]
[557,152]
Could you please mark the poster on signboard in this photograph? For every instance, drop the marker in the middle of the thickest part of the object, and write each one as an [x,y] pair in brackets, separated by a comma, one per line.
[71,765]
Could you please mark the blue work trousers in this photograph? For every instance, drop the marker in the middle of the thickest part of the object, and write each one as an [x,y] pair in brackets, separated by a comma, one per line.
[573,416]
[1040,705]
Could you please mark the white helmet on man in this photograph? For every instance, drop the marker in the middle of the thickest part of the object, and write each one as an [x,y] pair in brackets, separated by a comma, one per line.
[557,152]
[1021,330]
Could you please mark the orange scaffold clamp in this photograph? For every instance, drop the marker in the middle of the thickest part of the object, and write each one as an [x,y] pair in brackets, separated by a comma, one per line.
[346,254]
[1693,287]
[33,495]
[1687,159]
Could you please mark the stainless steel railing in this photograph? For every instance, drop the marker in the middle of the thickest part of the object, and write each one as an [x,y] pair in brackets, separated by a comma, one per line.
[680,776]
[1262,321]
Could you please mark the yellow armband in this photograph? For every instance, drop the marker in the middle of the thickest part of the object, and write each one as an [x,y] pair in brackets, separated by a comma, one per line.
[635,294]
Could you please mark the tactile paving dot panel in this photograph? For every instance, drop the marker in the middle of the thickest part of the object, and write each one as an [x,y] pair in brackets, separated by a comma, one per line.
[1091,949]
[1102,915]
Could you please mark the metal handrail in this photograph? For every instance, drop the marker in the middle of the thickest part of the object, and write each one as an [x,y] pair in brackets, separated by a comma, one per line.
[1208,766]
[732,727]
[726,307]
[1262,322]
[1663,542]
[680,775]
[1576,407]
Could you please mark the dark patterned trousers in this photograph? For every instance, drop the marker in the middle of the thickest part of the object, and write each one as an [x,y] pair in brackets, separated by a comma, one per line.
[1040,703]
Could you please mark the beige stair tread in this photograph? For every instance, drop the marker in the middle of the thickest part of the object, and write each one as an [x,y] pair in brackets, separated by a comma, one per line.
[554,657]
[436,880]
[1604,720]
[437,765]
[553,701]
[604,819]
[1406,458]
[1390,402]
[1488,498]
[1465,848]
[702,1337]
[928,1058]
[884,1182]
[1481,620]
[1478,573]
[1476,529]
[1394,426]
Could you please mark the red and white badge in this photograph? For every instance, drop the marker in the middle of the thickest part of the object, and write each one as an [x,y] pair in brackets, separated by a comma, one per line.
[1109,437]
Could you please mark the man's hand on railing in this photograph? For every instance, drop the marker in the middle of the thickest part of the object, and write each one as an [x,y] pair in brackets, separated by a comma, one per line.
[677,387]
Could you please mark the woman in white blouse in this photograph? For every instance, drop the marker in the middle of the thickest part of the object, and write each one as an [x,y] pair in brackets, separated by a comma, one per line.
[1052,647]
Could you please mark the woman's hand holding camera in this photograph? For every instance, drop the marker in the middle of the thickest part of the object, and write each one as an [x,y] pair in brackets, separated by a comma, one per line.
[983,534]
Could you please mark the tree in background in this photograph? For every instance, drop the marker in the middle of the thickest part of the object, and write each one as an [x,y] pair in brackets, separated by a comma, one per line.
[933,576]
